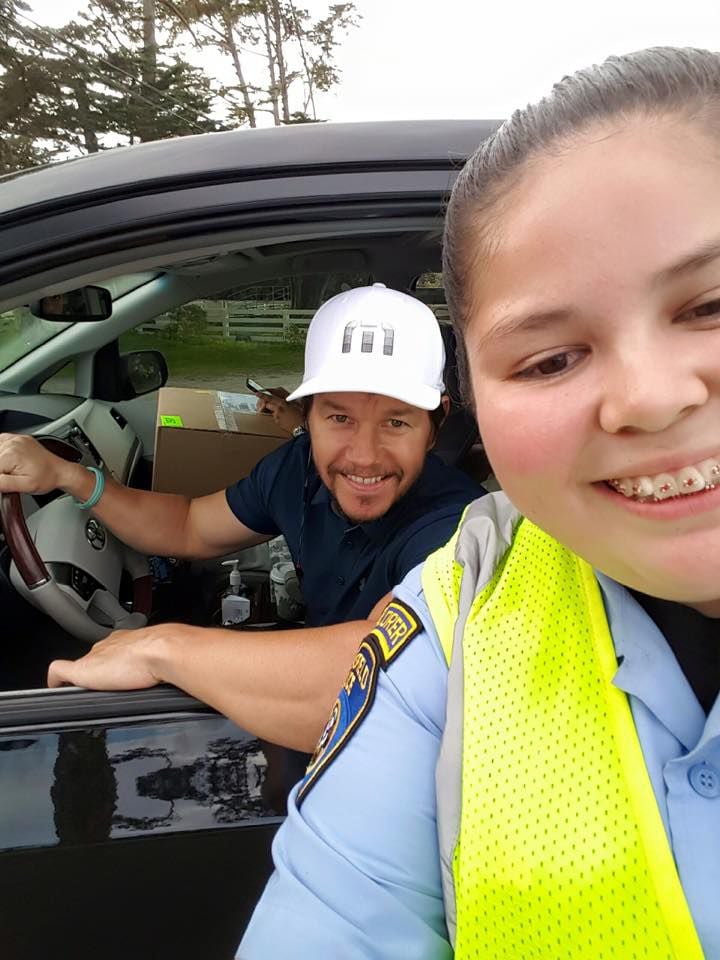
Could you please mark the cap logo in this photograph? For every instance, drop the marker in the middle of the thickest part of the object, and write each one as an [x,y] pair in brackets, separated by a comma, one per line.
[367,340]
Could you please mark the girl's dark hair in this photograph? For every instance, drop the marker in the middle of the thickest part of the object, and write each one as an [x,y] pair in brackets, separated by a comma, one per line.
[650,83]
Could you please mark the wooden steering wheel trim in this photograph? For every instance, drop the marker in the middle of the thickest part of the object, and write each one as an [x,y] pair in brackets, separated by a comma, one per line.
[24,552]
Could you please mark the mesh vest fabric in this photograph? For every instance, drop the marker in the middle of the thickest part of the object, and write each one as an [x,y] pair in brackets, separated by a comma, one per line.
[561,851]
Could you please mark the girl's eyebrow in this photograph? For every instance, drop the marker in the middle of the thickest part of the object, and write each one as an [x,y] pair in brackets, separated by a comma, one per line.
[513,325]
[701,257]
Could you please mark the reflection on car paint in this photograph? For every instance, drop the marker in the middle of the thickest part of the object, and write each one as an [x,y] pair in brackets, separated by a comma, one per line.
[93,784]
[26,807]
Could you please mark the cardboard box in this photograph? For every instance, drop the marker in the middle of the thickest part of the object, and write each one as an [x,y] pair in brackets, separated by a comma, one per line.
[205,440]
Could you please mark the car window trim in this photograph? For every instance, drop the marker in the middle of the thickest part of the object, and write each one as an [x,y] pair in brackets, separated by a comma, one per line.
[66,706]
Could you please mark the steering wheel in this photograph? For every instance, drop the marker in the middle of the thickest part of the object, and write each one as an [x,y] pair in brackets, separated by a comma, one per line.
[67,564]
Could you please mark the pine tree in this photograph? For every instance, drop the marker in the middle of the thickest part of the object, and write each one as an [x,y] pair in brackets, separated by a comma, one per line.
[101,80]
[297,54]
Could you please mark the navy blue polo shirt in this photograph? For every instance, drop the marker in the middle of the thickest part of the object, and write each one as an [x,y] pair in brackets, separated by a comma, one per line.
[348,567]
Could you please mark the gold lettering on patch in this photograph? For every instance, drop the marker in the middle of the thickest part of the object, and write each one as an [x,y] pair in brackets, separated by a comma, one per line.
[395,626]
[361,670]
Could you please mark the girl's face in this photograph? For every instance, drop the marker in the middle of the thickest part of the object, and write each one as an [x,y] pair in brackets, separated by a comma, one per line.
[594,347]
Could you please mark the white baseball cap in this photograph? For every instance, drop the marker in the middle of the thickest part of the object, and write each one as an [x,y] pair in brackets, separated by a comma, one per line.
[375,340]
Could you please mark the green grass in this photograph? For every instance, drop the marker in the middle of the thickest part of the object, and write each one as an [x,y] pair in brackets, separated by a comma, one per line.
[207,355]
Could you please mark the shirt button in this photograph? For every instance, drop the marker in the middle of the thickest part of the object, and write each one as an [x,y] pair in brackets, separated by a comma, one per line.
[341,580]
[705,780]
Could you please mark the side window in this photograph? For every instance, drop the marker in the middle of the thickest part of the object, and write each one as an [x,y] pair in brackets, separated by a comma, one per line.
[429,288]
[61,382]
[254,331]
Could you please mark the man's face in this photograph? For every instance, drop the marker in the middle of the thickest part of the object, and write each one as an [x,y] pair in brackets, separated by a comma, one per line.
[368,449]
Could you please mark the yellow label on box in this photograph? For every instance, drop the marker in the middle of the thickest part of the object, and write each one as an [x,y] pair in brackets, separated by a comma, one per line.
[167,420]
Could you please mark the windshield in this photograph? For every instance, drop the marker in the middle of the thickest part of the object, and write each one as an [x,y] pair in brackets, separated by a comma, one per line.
[21,332]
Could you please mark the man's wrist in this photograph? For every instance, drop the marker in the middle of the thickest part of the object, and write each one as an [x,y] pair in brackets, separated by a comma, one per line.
[163,651]
[76,480]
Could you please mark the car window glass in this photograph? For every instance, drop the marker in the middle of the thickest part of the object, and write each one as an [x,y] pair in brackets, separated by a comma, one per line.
[429,288]
[61,382]
[253,331]
[21,332]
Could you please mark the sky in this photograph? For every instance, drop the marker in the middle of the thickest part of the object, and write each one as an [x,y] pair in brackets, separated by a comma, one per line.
[414,59]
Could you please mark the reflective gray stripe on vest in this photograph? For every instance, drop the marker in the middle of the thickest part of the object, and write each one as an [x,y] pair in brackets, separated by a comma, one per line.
[484,538]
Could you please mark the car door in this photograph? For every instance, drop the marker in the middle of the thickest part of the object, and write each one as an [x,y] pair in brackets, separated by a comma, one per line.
[133,824]
[139,824]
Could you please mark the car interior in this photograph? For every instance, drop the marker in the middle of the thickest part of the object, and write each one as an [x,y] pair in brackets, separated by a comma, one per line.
[92,385]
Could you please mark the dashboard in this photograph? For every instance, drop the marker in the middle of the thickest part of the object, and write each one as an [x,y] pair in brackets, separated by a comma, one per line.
[98,430]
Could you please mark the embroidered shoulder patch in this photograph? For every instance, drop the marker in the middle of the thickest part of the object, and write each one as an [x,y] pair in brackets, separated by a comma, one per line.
[353,702]
[397,625]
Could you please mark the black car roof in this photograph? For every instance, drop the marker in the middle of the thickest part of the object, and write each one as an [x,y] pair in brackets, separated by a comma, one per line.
[410,143]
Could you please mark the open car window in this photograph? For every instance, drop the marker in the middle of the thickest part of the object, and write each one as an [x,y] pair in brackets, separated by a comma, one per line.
[257,329]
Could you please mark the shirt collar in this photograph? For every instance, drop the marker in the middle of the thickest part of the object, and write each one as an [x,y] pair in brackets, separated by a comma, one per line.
[712,725]
[321,495]
[647,667]
[375,530]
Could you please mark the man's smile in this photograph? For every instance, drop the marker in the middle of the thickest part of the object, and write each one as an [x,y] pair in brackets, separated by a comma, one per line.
[365,485]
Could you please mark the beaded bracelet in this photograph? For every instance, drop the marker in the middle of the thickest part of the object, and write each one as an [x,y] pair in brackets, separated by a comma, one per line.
[97,492]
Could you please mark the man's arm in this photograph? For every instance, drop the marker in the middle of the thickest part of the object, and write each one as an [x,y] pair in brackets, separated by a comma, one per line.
[163,523]
[278,685]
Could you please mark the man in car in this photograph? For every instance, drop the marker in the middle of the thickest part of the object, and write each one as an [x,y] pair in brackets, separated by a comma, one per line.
[356,494]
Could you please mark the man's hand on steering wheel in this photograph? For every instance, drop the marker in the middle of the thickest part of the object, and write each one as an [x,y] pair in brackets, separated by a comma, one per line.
[26,466]
[63,562]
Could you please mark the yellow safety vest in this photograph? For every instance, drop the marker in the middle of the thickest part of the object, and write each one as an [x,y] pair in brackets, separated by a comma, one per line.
[561,851]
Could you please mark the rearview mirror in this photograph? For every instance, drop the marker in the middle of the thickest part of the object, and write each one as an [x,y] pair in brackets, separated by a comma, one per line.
[86,304]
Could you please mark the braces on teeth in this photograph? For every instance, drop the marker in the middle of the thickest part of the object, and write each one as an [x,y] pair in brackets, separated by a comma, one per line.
[665,486]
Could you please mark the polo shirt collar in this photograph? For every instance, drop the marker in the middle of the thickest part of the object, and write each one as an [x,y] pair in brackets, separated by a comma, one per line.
[647,667]
[375,530]
[321,495]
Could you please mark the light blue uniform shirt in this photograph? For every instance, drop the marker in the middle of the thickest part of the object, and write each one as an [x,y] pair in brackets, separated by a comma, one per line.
[357,866]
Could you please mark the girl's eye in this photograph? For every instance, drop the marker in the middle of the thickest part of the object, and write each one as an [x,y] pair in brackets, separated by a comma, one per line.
[703,311]
[552,366]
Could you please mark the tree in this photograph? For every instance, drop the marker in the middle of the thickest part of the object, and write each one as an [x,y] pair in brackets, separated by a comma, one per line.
[185,322]
[22,81]
[280,56]
[120,72]
[218,24]
[98,81]
[154,92]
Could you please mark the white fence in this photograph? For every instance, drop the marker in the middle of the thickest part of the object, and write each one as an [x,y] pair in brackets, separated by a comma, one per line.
[228,318]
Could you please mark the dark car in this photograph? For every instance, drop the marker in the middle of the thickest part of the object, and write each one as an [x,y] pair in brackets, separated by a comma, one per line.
[139,823]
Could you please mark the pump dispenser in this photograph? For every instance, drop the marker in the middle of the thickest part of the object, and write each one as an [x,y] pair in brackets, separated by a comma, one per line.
[235,606]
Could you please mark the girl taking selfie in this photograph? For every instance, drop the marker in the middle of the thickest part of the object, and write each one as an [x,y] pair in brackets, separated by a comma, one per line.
[525,758]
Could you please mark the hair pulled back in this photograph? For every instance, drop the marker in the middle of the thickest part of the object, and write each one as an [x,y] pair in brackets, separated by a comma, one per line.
[656,82]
